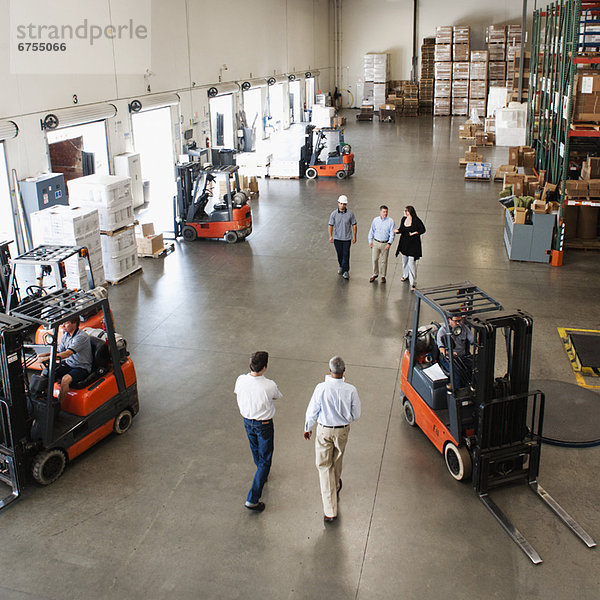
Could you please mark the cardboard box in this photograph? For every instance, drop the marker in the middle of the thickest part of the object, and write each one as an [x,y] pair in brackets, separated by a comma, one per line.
[513,155]
[529,159]
[594,188]
[539,206]
[548,187]
[576,188]
[510,178]
[520,214]
[472,156]
[591,168]
[150,242]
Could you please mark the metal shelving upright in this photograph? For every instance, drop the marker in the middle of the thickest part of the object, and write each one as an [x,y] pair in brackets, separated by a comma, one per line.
[563,36]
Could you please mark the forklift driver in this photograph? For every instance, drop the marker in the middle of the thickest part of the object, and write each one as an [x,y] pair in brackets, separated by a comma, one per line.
[75,353]
[460,339]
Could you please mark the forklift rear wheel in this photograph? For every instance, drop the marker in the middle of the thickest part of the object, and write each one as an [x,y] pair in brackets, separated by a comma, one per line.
[231,237]
[48,466]
[458,461]
[189,233]
[409,413]
[311,173]
[123,422]
[341,174]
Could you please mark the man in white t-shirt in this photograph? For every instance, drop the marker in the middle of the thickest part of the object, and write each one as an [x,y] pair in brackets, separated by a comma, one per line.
[255,394]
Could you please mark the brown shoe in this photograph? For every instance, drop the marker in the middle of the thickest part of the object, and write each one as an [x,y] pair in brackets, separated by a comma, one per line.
[373,278]
[383,280]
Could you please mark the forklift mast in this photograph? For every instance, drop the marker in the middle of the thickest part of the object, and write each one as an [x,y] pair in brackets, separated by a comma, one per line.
[14,420]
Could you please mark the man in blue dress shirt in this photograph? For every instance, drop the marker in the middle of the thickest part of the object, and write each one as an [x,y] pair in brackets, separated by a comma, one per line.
[381,236]
[333,406]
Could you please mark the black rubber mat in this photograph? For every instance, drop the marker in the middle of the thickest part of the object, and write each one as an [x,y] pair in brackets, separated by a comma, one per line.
[587,347]
[572,415]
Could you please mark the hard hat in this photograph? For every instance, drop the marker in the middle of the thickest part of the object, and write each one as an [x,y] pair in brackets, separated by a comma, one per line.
[343,199]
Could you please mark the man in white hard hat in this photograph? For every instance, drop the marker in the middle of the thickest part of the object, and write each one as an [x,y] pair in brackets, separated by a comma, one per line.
[342,233]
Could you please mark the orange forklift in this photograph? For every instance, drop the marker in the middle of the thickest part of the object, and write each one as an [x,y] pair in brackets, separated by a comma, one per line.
[339,161]
[230,218]
[38,435]
[490,429]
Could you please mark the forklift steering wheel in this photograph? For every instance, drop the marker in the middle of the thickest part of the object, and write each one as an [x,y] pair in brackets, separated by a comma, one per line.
[35,291]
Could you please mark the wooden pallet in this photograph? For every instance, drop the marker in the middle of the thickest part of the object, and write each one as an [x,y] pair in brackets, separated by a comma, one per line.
[167,249]
[284,177]
[125,277]
[585,126]
[577,244]
[120,230]
[477,178]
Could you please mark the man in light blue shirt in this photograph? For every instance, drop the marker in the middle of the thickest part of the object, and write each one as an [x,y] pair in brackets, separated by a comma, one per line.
[381,236]
[333,406]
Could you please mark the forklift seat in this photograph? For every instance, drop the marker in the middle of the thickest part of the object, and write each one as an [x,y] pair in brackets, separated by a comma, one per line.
[100,360]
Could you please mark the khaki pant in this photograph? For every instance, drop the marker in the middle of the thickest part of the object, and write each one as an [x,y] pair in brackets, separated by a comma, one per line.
[380,251]
[329,449]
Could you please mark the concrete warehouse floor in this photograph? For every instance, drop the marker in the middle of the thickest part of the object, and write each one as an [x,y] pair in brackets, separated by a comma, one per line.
[158,513]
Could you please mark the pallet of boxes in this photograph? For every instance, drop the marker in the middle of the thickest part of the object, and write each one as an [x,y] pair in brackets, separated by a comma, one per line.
[427,80]
[72,226]
[581,211]
[461,44]
[478,72]
[496,46]
[443,71]
[111,196]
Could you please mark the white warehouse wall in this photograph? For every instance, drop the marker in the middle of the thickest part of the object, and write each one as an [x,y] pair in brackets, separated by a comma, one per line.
[190,41]
[386,26]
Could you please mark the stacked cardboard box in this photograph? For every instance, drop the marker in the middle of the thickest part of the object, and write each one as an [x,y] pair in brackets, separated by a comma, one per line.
[376,75]
[587,96]
[443,71]
[496,44]
[478,82]
[111,196]
[410,92]
[72,226]
[496,40]
[513,66]
[461,45]
[460,88]
[426,84]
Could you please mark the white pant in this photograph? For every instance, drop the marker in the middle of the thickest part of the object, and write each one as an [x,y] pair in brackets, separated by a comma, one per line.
[330,444]
[409,269]
[380,250]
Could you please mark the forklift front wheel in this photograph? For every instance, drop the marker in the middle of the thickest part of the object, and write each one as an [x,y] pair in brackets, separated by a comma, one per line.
[341,174]
[48,466]
[458,461]
[409,413]
[123,422]
[189,233]
[231,237]
[311,173]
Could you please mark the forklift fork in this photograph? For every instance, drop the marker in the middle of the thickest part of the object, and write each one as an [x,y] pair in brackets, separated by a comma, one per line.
[8,470]
[519,538]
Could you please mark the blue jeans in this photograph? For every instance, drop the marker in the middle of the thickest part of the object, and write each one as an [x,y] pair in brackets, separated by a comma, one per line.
[342,247]
[463,367]
[260,435]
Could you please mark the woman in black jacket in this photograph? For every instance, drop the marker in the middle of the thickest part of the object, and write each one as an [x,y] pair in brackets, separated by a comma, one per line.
[409,245]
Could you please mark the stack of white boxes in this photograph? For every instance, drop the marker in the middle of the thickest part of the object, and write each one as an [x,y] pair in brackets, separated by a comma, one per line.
[111,196]
[377,76]
[72,226]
